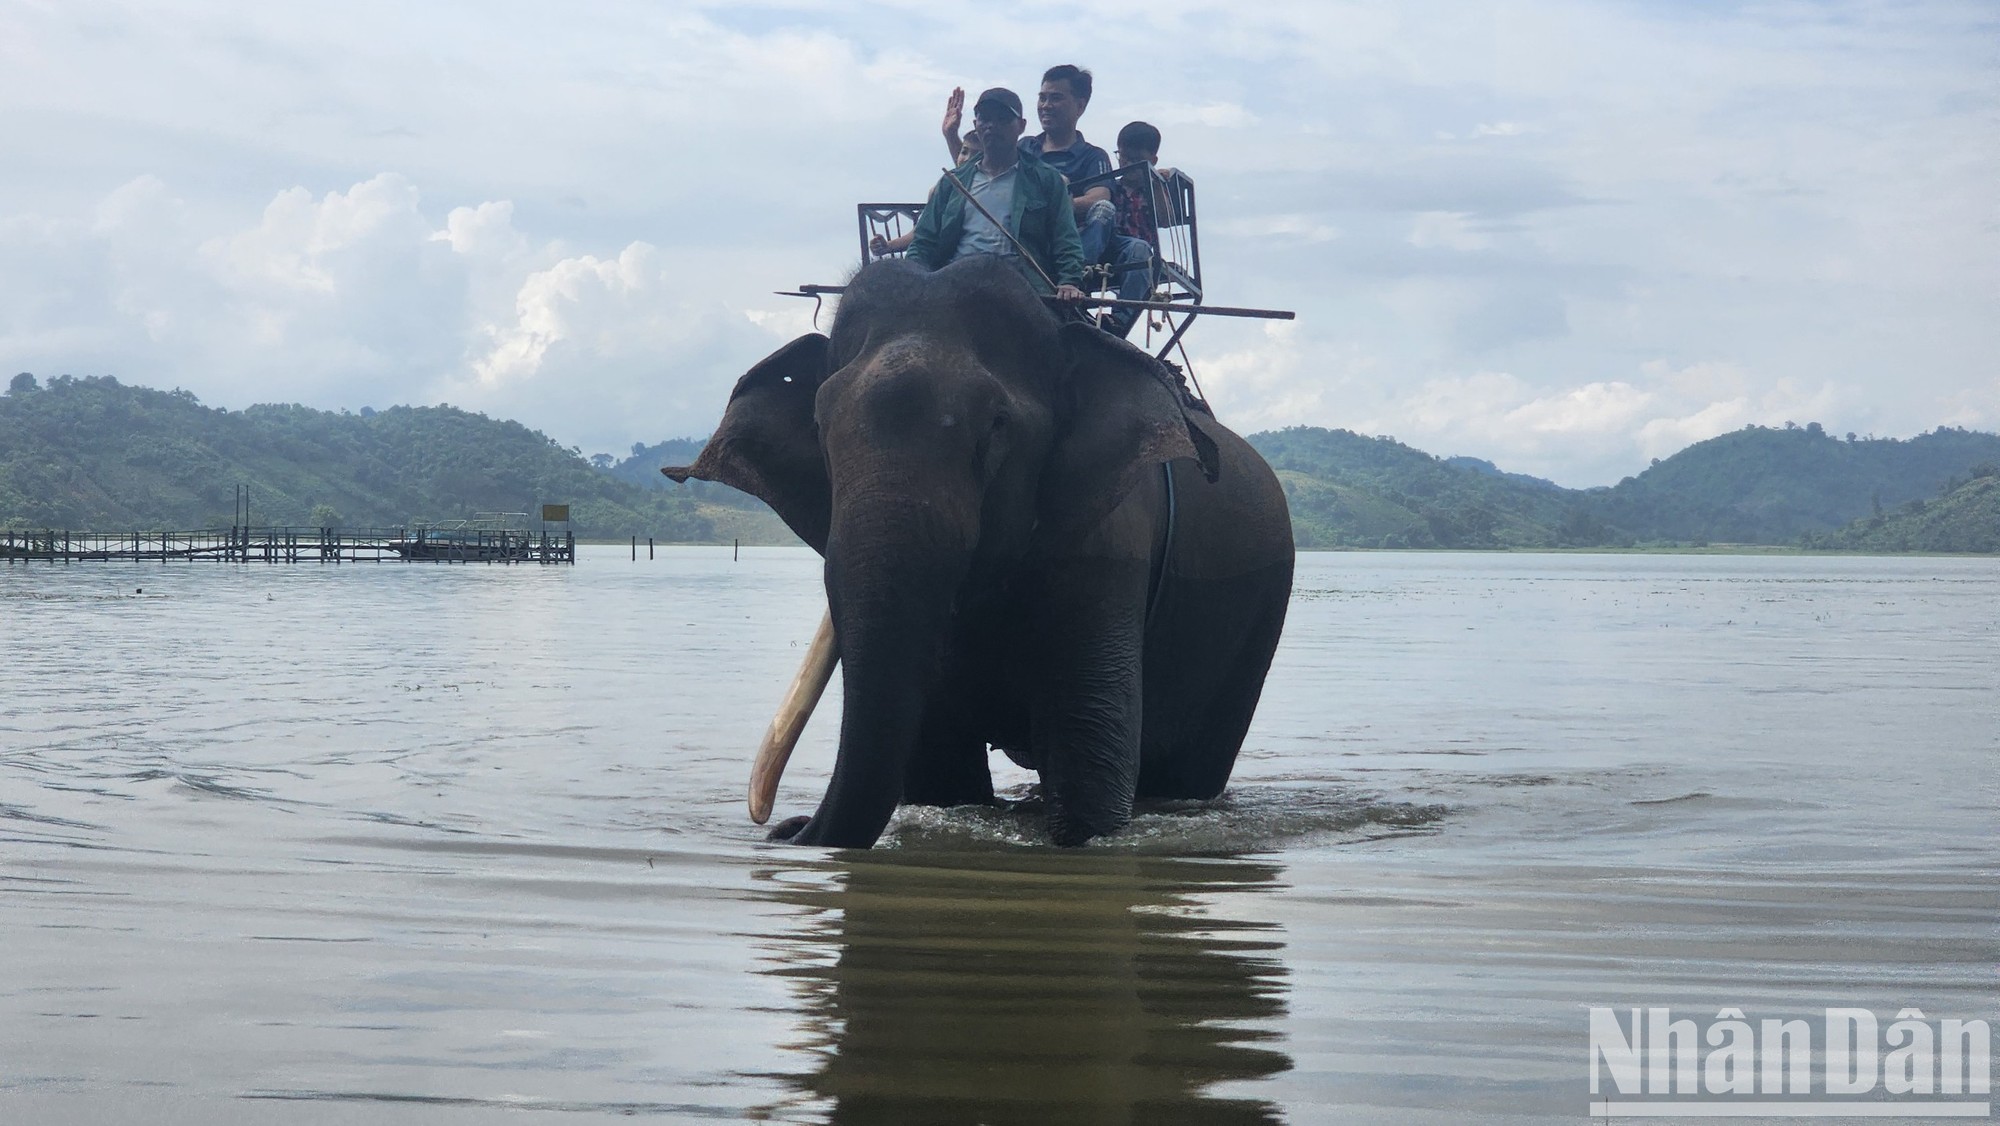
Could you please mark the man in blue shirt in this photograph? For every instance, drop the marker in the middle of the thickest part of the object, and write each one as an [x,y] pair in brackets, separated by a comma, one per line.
[1065,94]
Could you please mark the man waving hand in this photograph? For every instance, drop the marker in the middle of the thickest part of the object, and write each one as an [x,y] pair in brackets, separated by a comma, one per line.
[1027,197]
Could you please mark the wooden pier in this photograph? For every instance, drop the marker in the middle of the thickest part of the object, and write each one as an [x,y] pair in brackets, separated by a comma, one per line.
[292,545]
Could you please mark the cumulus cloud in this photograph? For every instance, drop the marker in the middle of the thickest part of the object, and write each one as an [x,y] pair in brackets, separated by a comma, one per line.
[1592,432]
[1567,237]
[586,301]
[357,297]
[1586,433]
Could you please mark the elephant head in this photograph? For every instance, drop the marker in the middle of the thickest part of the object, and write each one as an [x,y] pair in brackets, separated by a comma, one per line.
[948,427]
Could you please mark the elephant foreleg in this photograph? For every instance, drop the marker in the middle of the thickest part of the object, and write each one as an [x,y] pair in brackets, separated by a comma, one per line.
[1086,705]
[948,765]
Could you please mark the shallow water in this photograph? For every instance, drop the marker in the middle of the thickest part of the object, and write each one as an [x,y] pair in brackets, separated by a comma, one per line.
[423,843]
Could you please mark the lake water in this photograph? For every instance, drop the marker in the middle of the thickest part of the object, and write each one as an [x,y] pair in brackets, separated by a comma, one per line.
[408,843]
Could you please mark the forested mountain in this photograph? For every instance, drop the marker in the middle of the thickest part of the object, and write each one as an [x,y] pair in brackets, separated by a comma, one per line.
[94,454]
[1349,490]
[1481,465]
[1759,485]
[1766,485]
[1964,517]
[642,467]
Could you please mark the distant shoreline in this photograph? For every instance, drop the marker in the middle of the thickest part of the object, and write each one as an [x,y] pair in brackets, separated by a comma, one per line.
[1712,549]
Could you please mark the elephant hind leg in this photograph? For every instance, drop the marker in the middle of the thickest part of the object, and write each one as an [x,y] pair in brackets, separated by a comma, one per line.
[1204,682]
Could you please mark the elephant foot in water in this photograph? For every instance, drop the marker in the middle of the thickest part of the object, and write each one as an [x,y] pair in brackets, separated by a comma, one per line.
[785,830]
[1066,832]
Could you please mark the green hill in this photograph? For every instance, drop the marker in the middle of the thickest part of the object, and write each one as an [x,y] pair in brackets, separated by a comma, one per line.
[1758,485]
[1770,486]
[1965,517]
[1349,490]
[96,454]
[642,467]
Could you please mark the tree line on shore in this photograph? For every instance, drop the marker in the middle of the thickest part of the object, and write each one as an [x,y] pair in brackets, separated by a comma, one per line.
[93,453]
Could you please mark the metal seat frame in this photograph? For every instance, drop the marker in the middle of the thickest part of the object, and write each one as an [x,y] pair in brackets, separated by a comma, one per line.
[1176,244]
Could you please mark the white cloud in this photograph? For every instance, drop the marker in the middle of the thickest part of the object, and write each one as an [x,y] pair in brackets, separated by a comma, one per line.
[587,301]
[1593,432]
[354,297]
[485,231]
[577,218]
[1974,408]
[1592,409]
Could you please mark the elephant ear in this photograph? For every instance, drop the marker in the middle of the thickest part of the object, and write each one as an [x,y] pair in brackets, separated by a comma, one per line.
[767,444]
[1121,414]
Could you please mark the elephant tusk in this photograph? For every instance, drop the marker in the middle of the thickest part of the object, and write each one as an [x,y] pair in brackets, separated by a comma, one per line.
[790,722]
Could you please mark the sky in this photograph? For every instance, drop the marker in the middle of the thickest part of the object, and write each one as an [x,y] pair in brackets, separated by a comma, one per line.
[1566,237]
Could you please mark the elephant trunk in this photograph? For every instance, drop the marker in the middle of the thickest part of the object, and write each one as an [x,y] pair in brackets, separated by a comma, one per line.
[892,571]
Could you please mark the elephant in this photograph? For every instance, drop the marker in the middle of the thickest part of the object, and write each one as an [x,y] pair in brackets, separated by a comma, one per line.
[1032,539]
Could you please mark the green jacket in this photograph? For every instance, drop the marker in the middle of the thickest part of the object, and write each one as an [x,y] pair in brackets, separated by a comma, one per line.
[1041,219]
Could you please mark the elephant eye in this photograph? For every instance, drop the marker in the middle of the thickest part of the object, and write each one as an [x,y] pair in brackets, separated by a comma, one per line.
[999,422]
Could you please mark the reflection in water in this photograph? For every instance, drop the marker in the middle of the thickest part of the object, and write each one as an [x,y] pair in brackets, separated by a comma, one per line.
[1030,986]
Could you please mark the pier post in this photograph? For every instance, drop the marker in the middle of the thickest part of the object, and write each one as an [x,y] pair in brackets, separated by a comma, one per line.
[649,549]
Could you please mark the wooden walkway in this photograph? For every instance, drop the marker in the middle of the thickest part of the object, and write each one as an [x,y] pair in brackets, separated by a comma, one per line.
[291,545]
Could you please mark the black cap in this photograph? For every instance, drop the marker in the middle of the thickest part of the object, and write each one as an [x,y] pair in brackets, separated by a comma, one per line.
[996,99]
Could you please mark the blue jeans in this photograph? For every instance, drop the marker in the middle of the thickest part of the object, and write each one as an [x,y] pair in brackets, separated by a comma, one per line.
[1132,273]
[1130,259]
[1096,230]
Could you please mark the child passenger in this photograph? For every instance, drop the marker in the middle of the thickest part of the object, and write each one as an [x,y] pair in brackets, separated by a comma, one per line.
[1139,143]
[1138,237]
